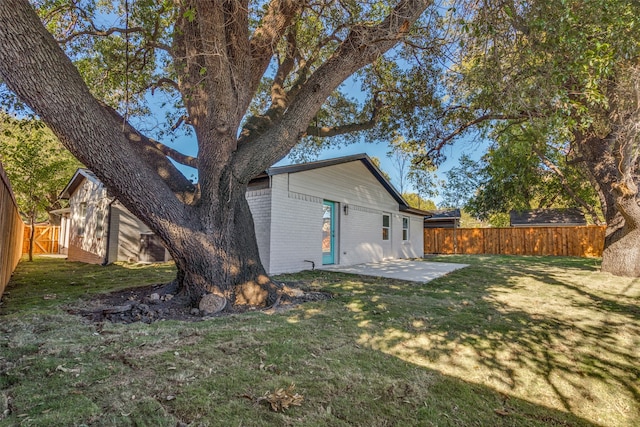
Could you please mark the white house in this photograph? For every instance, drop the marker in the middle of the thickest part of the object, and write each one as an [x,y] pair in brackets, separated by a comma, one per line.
[340,211]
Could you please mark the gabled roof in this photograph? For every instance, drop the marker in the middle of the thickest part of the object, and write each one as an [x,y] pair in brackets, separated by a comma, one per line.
[80,175]
[366,161]
[547,217]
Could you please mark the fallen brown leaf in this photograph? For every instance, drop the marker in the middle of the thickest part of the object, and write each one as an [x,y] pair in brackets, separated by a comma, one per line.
[282,399]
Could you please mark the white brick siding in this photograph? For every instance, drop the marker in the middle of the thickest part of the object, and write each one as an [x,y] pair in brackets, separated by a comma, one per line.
[296,228]
[360,236]
[260,205]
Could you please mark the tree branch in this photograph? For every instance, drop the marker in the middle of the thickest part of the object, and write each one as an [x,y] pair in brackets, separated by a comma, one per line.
[278,94]
[163,81]
[175,155]
[362,45]
[565,184]
[181,120]
[330,131]
[279,16]
[471,123]
[101,33]
[155,153]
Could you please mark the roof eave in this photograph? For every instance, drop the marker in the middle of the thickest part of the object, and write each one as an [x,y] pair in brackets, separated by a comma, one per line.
[74,182]
[415,211]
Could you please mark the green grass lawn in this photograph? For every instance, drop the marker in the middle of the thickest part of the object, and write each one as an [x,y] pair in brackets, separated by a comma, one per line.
[508,341]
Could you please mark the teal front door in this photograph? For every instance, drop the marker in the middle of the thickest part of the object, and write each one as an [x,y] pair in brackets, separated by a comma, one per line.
[328,232]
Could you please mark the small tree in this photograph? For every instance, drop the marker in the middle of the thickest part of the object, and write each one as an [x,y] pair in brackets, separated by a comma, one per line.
[401,161]
[37,165]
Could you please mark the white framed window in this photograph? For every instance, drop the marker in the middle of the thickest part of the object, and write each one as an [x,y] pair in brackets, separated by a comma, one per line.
[405,228]
[386,226]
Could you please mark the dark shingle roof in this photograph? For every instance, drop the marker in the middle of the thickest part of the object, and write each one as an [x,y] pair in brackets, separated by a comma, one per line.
[547,217]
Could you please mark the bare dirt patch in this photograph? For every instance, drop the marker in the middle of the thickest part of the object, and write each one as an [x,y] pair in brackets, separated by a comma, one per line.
[152,303]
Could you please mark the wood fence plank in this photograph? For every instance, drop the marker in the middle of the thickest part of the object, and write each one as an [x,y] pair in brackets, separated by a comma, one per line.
[557,241]
[11,226]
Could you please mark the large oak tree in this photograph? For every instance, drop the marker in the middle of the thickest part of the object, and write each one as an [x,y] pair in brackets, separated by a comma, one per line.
[248,78]
[566,74]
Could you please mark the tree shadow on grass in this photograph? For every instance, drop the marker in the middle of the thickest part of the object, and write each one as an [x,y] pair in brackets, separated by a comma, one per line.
[548,335]
[448,353]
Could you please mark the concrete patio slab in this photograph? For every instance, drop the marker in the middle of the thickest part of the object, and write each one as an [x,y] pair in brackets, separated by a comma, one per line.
[401,269]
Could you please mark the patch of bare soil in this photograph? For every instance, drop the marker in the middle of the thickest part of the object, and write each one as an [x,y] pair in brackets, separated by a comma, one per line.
[163,302]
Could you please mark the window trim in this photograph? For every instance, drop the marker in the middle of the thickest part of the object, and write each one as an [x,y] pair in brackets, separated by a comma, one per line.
[386,228]
[405,230]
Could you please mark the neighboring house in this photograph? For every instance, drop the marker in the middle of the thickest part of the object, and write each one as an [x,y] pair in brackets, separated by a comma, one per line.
[62,218]
[97,229]
[444,218]
[547,218]
[339,211]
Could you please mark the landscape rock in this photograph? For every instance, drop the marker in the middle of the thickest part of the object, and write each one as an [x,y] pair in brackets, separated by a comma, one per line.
[293,292]
[212,304]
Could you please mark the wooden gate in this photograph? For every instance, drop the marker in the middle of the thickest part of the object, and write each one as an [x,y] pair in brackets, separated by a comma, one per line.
[45,240]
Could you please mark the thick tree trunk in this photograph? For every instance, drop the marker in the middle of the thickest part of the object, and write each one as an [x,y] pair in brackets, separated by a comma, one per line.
[619,199]
[217,253]
[621,255]
[32,235]
[218,65]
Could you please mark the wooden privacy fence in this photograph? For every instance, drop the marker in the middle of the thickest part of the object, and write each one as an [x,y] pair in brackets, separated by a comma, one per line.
[11,231]
[45,240]
[560,241]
